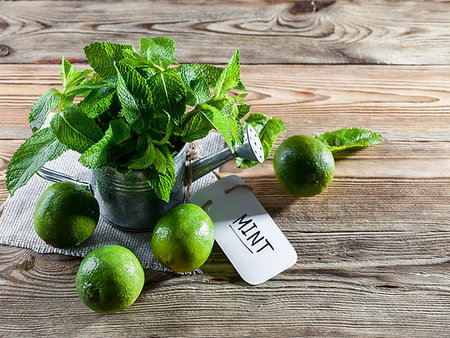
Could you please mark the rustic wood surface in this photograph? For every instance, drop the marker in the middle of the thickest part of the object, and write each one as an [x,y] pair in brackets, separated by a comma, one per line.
[276,31]
[373,249]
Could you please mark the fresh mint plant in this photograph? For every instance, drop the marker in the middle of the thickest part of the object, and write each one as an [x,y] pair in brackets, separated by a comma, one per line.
[136,110]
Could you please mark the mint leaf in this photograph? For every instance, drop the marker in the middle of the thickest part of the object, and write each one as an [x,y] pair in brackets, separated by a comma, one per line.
[97,101]
[225,125]
[99,155]
[195,71]
[229,78]
[66,71]
[346,138]
[41,147]
[74,129]
[196,128]
[268,129]
[169,94]
[159,51]
[49,101]
[135,97]
[70,76]
[145,155]
[243,110]
[160,161]
[162,183]
[102,55]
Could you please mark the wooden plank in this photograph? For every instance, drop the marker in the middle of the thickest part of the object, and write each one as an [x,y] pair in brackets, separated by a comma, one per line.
[401,102]
[378,31]
[305,300]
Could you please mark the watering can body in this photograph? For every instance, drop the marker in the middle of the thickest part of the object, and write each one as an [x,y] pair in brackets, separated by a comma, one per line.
[128,202]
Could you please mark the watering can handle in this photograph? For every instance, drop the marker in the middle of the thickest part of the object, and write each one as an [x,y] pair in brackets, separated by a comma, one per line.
[56,176]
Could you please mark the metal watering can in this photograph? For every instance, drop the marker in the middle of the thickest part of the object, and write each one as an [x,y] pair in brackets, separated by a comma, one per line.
[127,201]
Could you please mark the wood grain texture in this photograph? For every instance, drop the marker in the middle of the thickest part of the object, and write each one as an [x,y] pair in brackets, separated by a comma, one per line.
[373,249]
[376,31]
[306,300]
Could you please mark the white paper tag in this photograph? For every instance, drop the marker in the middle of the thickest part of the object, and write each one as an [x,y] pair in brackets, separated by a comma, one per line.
[245,231]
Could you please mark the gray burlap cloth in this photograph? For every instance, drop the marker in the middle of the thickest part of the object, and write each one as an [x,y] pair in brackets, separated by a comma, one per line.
[16,221]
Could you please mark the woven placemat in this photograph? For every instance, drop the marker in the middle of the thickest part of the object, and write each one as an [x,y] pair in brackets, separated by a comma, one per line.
[16,221]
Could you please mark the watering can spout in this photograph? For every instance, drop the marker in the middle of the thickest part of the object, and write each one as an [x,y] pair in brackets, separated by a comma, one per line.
[251,149]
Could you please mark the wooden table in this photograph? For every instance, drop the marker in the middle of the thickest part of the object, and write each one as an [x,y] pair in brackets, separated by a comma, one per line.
[373,249]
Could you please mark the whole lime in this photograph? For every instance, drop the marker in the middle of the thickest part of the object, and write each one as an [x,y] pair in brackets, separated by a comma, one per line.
[303,165]
[66,214]
[110,279]
[183,238]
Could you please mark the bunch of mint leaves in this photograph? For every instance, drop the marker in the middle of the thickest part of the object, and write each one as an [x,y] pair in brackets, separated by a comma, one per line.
[134,110]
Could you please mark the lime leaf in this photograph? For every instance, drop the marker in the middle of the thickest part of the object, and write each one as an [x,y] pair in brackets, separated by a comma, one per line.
[346,138]
[47,102]
[135,97]
[41,147]
[268,130]
[162,183]
[97,101]
[98,155]
[169,94]
[76,130]
[102,55]
[159,51]
[229,78]
[145,155]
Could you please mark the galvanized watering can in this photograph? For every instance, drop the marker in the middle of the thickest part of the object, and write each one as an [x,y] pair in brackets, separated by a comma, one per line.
[126,200]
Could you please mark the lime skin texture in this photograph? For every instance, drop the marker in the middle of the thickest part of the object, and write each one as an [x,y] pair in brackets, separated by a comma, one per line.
[183,238]
[110,279]
[66,214]
[303,166]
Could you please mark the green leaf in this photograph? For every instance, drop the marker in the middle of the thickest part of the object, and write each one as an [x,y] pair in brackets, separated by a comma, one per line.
[230,78]
[159,51]
[98,101]
[76,130]
[195,71]
[196,128]
[160,161]
[102,56]
[66,71]
[346,138]
[70,76]
[201,91]
[268,130]
[169,94]
[47,102]
[85,87]
[162,183]
[145,155]
[99,155]
[41,147]
[135,97]
[225,125]
[243,110]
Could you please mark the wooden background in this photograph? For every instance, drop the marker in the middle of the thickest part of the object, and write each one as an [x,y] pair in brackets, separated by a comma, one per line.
[373,249]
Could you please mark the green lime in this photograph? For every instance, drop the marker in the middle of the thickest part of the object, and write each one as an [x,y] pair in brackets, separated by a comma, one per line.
[183,238]
[66,214]
[303,165]
[110,279]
